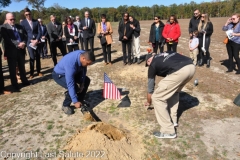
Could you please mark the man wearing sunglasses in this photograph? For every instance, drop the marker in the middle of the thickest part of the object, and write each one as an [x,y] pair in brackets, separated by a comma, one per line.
[194,21]
[15,41]
[32,27]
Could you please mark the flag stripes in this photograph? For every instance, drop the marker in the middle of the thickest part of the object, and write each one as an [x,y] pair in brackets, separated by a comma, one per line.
[110,91]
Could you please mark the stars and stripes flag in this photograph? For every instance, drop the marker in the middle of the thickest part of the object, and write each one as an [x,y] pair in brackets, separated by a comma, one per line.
[110,91]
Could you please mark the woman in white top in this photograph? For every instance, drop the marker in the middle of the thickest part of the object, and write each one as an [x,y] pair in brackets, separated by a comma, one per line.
[71,33]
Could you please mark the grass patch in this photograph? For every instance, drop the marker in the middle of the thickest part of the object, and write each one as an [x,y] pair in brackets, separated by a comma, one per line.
[50,125]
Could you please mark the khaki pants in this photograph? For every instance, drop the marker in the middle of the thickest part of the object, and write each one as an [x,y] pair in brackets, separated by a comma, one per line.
[193,56]
[166,97]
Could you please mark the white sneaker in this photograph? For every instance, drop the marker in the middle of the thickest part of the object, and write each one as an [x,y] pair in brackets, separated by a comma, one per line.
[164,135]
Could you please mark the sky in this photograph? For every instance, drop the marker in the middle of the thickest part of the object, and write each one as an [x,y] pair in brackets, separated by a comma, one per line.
[18,6]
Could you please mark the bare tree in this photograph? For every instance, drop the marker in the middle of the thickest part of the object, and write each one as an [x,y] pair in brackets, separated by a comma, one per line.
[37,4]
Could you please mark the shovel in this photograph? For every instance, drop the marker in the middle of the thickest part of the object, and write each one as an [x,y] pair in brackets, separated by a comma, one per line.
[203,47]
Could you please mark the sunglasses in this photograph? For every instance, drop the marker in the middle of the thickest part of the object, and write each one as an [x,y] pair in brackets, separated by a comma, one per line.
[202,16]
[233,18]
[27,14]
[155,19]
[195,13]
[12,19]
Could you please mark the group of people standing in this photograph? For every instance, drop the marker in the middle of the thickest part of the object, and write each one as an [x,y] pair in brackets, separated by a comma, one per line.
[200,31]
[32,35]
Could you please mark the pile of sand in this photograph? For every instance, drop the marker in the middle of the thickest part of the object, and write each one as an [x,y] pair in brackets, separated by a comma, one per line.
[102,141]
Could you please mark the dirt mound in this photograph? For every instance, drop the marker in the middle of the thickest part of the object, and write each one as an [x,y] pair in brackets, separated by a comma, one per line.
[102,141]
[88,117]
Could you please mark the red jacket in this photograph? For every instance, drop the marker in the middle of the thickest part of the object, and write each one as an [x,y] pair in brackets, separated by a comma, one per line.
[171,31]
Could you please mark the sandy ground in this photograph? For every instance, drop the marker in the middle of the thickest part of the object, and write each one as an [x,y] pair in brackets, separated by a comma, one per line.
[32,121]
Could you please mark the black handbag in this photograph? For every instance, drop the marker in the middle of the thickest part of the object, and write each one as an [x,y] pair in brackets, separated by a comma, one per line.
[103,40]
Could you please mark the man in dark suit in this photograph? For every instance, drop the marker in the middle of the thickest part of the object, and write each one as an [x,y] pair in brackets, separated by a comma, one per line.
[80,34]
[15,40]
[89,30]
[42,46]
[2,90]
[33,30]
[55,32]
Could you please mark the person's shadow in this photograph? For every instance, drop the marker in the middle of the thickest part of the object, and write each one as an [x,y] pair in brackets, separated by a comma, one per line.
[186,101]
[94,98]
[225,63]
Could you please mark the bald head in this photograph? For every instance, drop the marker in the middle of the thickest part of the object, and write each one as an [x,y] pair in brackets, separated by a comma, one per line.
[10,19]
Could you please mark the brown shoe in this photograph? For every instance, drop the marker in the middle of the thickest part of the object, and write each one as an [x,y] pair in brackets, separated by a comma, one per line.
[40,74]
[30,77]
[6,92]
[105,64]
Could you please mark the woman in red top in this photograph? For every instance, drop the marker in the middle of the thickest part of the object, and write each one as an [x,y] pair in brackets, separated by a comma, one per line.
[171,33]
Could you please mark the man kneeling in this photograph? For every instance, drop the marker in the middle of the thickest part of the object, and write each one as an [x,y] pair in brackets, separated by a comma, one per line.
[70,73]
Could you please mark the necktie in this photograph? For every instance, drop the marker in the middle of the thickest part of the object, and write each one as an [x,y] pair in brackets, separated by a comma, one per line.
[31,25]
[16,34]
[55,25]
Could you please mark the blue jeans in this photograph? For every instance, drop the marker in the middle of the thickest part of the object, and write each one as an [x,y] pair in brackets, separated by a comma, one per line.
[60,79]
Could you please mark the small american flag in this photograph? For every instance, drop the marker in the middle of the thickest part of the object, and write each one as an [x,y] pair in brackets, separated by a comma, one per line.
[110,91]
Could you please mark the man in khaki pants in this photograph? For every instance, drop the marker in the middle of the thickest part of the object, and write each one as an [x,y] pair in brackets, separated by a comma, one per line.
[177,70]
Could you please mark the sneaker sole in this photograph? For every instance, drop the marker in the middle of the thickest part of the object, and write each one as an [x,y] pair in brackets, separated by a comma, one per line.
[167,137]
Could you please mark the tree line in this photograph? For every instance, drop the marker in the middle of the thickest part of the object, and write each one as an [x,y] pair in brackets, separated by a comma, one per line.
[216,8]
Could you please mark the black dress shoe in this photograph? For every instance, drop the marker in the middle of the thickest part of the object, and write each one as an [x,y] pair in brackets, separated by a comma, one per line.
[124,63]
[26,84]
[138,61]
[238,72]
[229,70]
[200,62]
[16,89]
[208,63]
[134,59]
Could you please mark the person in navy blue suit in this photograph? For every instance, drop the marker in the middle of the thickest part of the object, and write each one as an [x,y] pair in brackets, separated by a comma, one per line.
[15,40]
[33,29]
[42,47]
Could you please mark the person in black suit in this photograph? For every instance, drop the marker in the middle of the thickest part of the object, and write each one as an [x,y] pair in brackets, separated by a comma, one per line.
[15,40]
[42,46]
[89,30]
[125,36]
[71,33]
[80,34]
[55,32]
[2,88]
[32,27]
